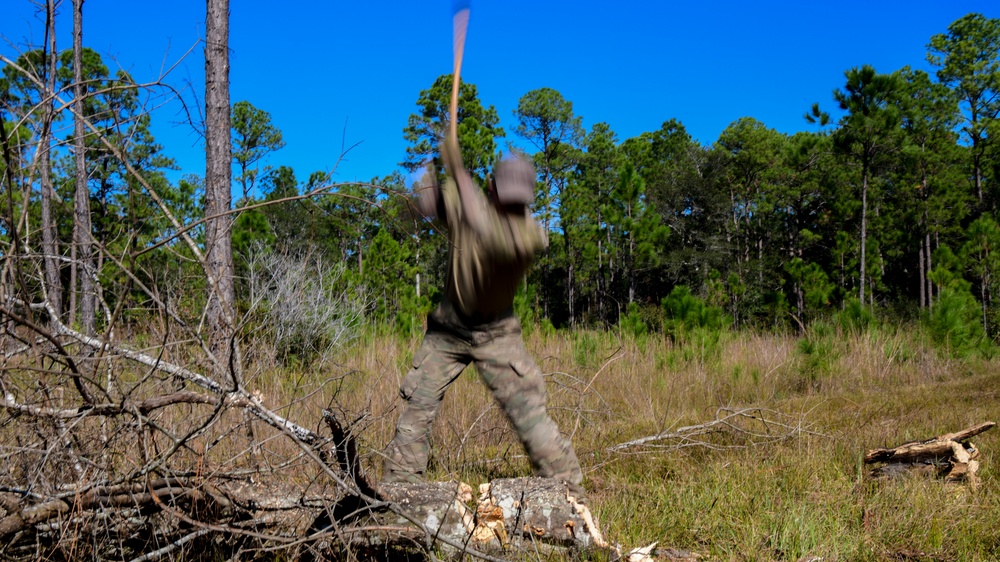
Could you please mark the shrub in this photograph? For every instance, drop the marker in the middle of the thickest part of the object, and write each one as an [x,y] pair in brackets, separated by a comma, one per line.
[855,317]
[814,283]
[524,308]
[585,346]
[631,323]
[306,309]
[955,323]
[818,352]
[684,312]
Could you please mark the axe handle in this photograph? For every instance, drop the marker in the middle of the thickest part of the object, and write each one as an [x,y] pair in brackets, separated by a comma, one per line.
[461,24]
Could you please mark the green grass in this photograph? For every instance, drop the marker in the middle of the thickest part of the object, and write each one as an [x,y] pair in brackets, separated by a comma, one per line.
[736,498]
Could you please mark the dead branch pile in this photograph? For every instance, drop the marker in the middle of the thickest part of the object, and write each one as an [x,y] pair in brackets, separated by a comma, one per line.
[140,476]
[113,453]
[110,452]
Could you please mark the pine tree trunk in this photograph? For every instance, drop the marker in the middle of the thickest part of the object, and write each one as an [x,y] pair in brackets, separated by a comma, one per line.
[923,277]
[81,212]
[864,229]
[546,293]
[49,247]
[985,292]
[930,268]
[924,257]
[572,295]
[609,287]
[733,237]
[218,181]
[601,284]
[569,276]
[631,258]
[976,146]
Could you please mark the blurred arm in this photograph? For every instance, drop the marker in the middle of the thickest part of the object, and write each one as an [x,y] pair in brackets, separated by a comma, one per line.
[473,201]
[428,194]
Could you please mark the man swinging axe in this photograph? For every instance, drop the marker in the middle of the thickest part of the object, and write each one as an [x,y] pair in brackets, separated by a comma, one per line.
[492,243]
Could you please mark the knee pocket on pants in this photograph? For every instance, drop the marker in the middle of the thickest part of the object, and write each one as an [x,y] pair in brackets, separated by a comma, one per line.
[412,379]
[530,383]
[525,368]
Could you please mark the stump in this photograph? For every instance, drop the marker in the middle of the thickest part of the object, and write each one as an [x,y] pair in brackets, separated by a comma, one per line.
[948,456]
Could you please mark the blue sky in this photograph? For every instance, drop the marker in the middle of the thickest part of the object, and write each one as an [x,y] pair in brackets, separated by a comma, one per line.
[336,74]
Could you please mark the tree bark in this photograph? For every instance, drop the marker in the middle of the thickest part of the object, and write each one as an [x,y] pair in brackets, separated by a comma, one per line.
[81,212]
[930,268]
[569,287]
[631,257]
[49,247]
[518,514]
[923,274]
[600,278]
[924,271]
[977,143]
[864,230]
[218,184]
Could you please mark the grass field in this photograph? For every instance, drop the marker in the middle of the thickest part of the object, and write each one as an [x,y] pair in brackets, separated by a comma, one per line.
[790,488]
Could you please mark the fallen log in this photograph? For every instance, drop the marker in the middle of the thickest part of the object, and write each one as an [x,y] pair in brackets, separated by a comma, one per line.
[195,497]
[510,514]
[536,509]
[947,456]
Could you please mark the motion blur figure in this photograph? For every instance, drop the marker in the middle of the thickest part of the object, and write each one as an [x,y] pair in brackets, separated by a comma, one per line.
[492,243]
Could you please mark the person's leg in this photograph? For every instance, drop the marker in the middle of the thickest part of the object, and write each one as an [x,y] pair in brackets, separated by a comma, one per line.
[438,362]
[517,384]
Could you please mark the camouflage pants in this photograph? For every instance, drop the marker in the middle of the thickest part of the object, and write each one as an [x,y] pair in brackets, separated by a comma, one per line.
[512,376]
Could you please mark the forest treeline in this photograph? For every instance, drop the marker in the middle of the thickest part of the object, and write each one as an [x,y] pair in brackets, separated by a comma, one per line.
[888,209]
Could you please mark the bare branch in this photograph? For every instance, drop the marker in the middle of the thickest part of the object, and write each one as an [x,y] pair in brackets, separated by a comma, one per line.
[754,425]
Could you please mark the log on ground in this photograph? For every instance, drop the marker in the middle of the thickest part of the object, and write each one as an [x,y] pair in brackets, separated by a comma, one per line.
[510,514]
[949,456]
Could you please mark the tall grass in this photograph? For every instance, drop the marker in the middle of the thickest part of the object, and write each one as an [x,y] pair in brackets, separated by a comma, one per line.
[849,386]
[852,386]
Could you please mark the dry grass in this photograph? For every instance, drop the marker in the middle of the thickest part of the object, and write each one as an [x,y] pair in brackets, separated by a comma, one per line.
[785,493]
[739,498]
